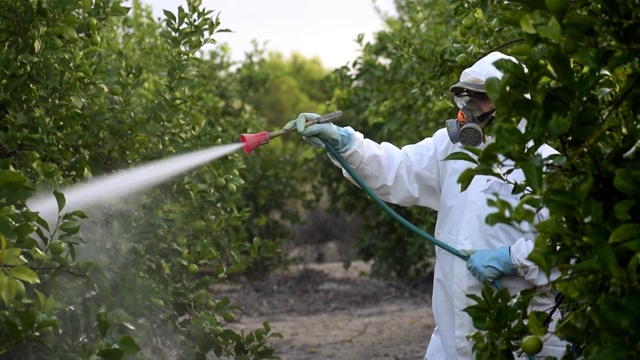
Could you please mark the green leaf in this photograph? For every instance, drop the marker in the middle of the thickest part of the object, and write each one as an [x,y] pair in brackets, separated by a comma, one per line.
[69,32]
[25,274]
[621,209]
[77,100]
[25,229]
[535,323]
[532,169]
[624,232]
[111,354]
[70,227]
[154,127]
[584,186]
[128,345]
[552,31]
[6,228]
[103,323]
[11,180]
[169,15]
[118,10]
[633,245]
[460,155]
[119,316]
[558,126]
[625,182]
[60,199]
[527,25]
[465,178]
[607,257]
[12,257]
[6,284]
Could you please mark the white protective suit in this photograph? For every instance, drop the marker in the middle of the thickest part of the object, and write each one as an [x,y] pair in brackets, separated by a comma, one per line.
[417,175]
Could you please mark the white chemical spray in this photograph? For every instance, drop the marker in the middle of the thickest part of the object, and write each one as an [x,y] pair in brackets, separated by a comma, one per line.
[110,187]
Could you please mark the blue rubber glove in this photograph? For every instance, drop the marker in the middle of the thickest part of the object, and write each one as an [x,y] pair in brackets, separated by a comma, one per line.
[490,264]
[339,138]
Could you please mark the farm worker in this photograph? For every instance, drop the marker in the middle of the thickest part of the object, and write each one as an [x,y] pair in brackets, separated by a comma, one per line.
[416,174]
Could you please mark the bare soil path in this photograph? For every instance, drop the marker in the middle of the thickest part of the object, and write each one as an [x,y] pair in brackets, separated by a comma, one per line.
[326,312]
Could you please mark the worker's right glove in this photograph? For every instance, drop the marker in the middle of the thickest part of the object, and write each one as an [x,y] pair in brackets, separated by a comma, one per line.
[339,138]
[490,264]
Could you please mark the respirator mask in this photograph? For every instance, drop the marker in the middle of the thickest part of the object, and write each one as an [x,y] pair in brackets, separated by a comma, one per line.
[467,129]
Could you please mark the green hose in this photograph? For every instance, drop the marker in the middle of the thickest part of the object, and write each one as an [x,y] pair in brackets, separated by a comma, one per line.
[331,150]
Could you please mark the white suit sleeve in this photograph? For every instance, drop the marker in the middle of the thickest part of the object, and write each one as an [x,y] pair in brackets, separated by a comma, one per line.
[528,269]
[407,176]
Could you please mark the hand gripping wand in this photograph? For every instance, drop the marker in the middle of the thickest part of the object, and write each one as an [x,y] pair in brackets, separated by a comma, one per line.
[252,141]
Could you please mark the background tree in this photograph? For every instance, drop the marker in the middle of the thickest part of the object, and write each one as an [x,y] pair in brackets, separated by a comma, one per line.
[287,87]
[90,87]
[281,176]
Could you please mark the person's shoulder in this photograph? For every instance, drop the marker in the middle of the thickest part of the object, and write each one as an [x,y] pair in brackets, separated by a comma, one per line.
[440,138]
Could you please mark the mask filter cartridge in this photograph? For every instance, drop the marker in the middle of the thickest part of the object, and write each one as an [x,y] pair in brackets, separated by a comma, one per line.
[465,130]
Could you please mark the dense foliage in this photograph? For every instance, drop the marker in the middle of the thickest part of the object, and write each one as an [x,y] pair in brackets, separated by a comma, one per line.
[90,87]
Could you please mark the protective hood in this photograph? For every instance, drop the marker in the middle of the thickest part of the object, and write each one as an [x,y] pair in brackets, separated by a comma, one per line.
[473,78]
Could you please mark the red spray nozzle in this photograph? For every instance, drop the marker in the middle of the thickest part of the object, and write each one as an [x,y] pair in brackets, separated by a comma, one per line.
[252,141]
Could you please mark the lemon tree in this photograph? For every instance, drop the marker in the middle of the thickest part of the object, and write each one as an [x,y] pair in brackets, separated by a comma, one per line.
[89,88]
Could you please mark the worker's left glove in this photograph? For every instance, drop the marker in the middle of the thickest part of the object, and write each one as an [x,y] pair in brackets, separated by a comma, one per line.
[339,138]
[490,264]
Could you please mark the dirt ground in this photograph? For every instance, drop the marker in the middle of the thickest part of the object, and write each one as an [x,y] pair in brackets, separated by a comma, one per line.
[326,312]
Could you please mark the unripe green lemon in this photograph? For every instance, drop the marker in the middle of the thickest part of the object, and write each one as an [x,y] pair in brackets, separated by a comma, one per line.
[57,247]
[92,23]
[229,317]
[469,21]
[116,90]
[181,240]
[46,332]
[531,344]
[95,40]
[462,59]
[198,225]
[193,268]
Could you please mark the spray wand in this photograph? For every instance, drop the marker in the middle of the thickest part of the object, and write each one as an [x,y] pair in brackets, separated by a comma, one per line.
[252,141]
